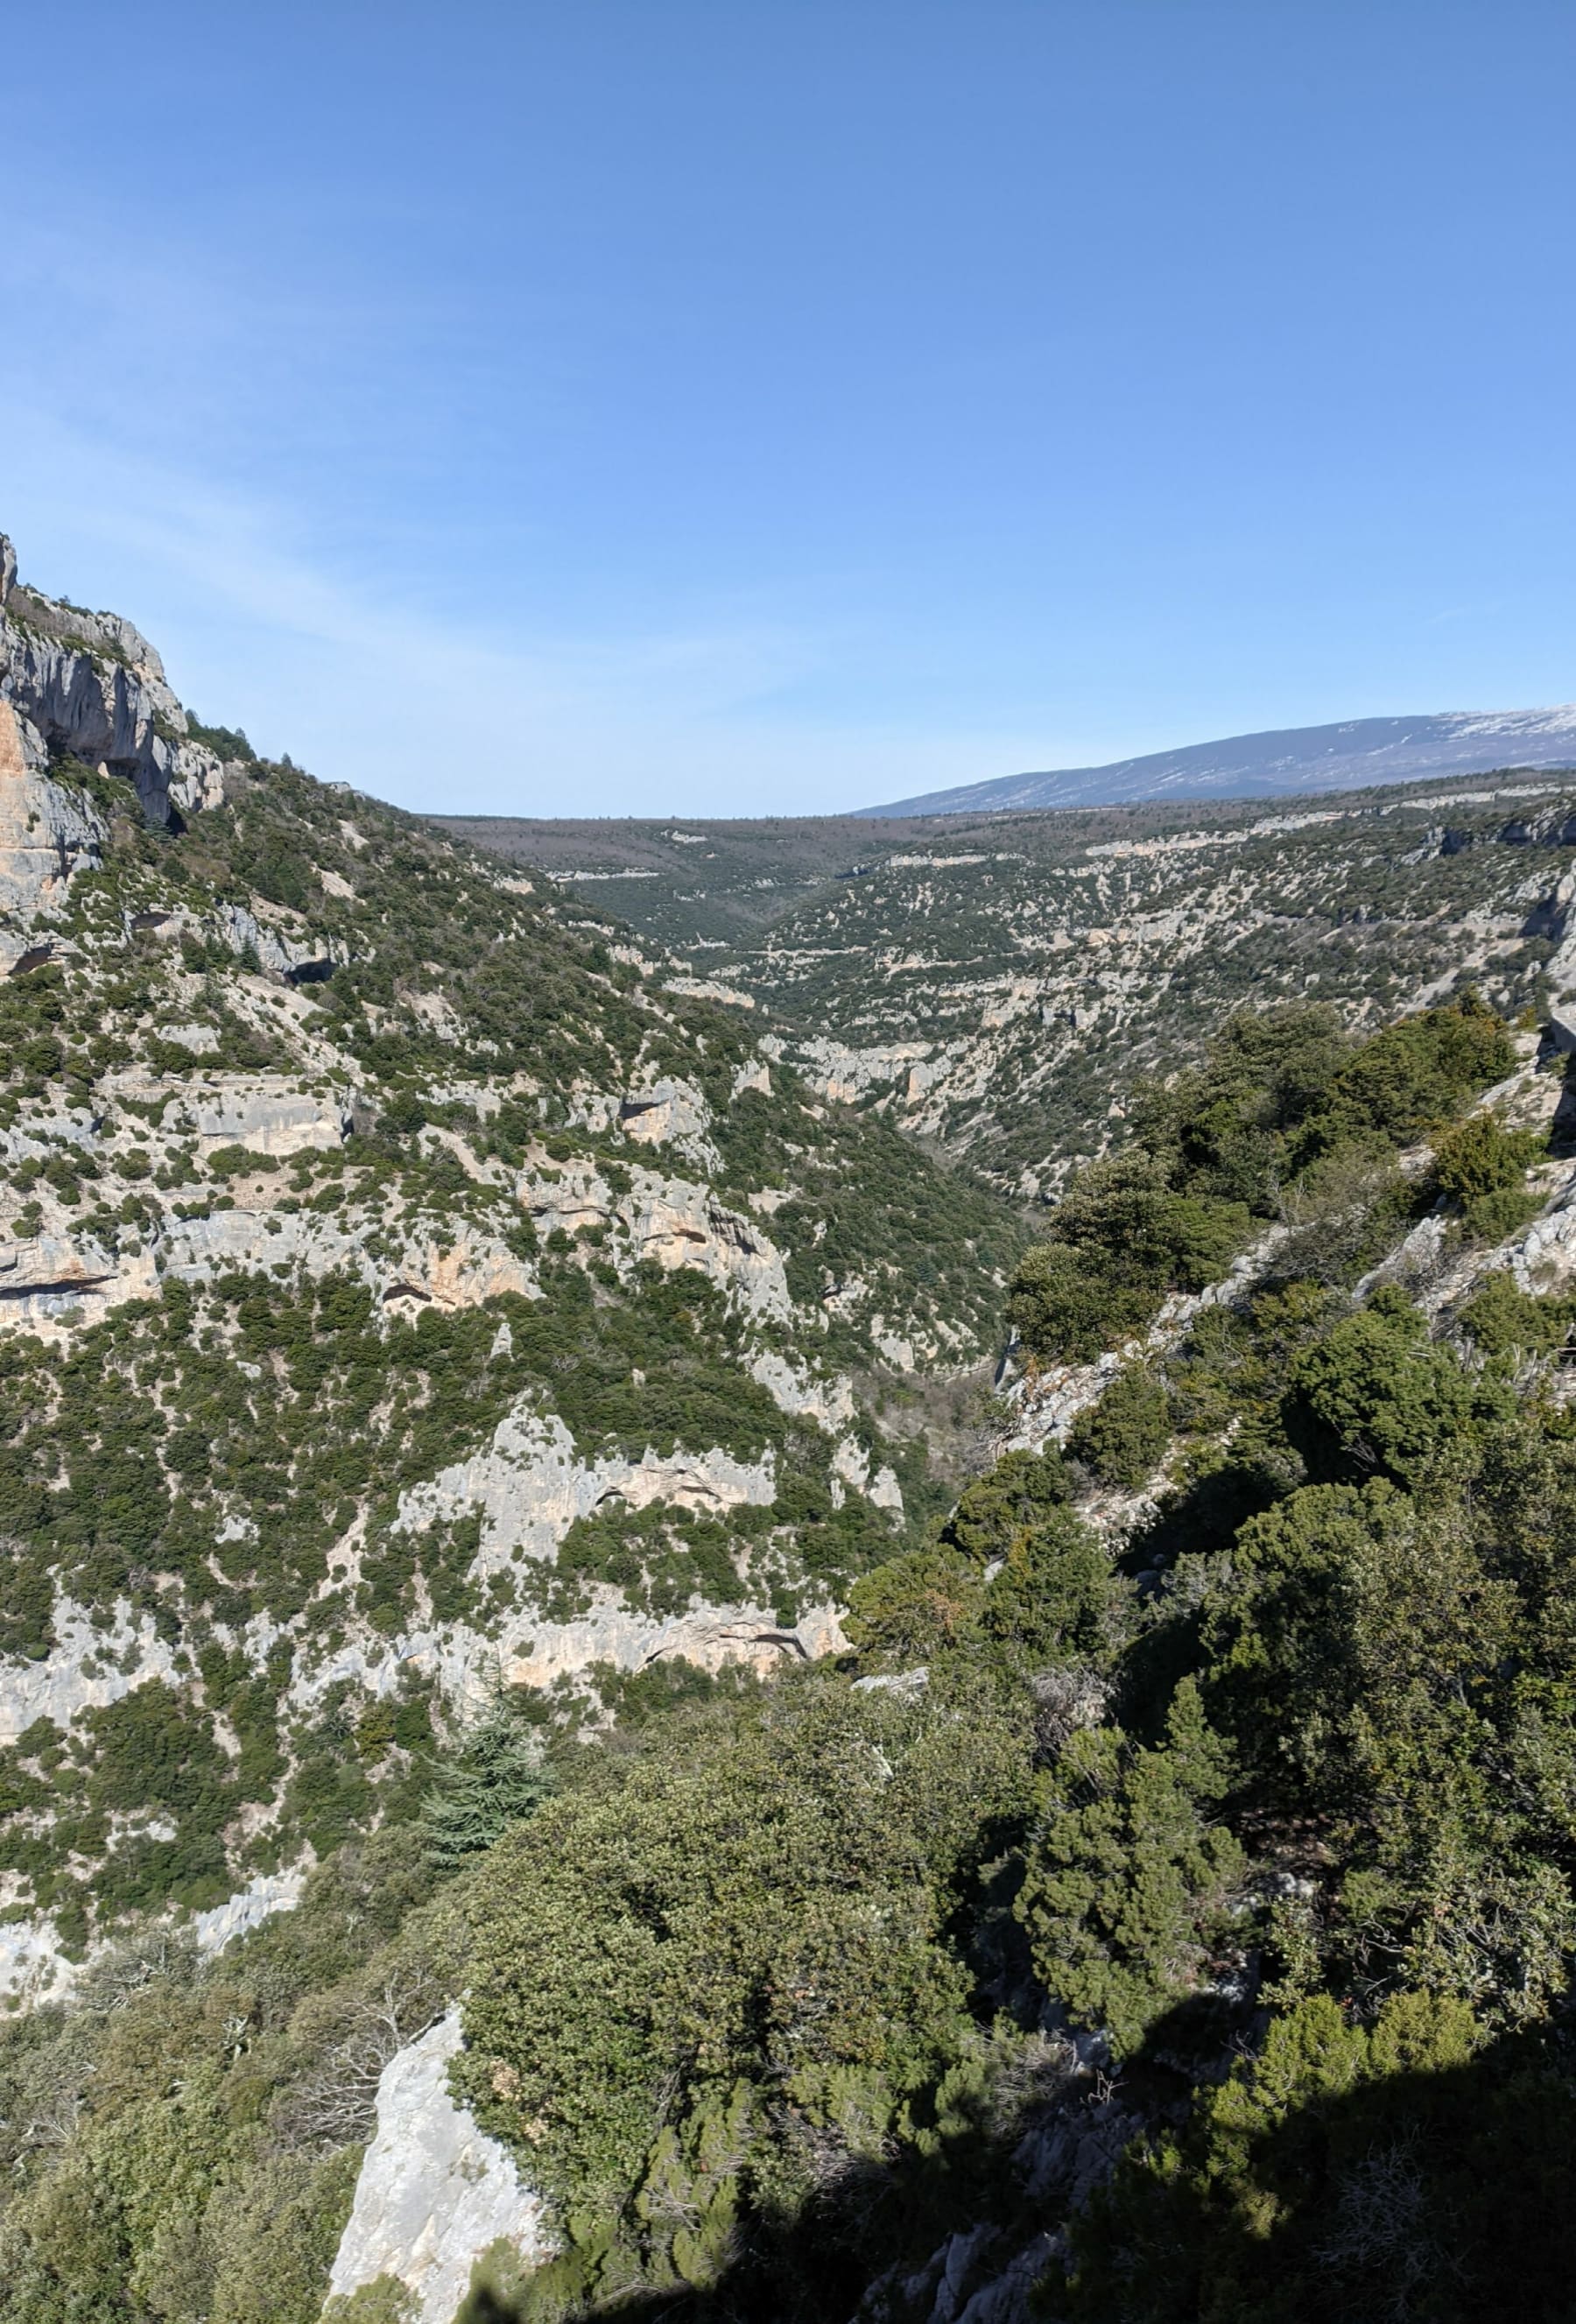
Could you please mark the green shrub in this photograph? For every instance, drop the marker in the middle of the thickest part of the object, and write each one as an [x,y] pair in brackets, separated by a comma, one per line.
[1482,1165]
[1495,1217]
[498,1777]
[1357,2169]
[759,1910]
[1374,1396]
[1252,1134]
[1120,1241]
[1414,1075]
[905,1609]
[224,742]
[1480,1156]
[1501,1318]
[1128,1891]
[1057,1597]
[1123,1437]
[1020,1491]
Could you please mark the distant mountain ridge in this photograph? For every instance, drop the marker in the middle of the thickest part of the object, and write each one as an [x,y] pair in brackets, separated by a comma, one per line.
[1353,754]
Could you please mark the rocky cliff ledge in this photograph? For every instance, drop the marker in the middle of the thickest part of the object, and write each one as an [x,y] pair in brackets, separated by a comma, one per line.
[89,686]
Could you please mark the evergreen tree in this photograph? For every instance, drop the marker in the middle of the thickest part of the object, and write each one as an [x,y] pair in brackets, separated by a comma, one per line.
[498,1776]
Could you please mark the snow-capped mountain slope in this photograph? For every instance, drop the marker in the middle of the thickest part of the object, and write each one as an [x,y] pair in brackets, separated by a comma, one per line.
[1357,752]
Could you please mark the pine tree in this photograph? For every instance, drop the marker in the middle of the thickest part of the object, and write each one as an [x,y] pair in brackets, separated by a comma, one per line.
[498,1776]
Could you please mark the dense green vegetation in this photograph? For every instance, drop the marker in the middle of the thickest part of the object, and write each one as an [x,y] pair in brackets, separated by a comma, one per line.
[767,1997]
[1200,1789]
[760,1995]
[1299,1803]
[1285,1121]
[170,1439]
[179,1479]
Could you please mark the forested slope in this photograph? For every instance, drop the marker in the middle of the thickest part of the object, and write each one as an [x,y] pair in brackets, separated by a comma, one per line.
[401,1288]
[476,1427]
[996,982]
[1164,1908]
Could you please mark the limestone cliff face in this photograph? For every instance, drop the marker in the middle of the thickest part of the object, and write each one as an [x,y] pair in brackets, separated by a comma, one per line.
[672,1223]
[47,833]
[91,686]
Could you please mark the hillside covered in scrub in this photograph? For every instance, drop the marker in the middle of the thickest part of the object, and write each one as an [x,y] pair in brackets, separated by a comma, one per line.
[580,1741]
[401,1286]
[997,982]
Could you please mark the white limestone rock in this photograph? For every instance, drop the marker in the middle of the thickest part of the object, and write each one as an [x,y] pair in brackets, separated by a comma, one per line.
[268,1894]
[33,1968]
[263,1112]
[48,1283]
[676,1224]
[797,1390]
[703,988]
[530,1485]
[670,1221]
[670,1113]
[90,685]
[53,1285]
[46,834]
[565,1197]
[846,1074]
[523,1650]
[851,1461]
[435,2190]
[284,951]
[86,1669]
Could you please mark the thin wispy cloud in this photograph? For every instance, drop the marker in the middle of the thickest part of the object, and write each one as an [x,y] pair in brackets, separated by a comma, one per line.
[370,685]
[515,419]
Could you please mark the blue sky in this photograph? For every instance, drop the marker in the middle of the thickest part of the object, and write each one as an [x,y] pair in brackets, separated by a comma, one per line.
[665,406]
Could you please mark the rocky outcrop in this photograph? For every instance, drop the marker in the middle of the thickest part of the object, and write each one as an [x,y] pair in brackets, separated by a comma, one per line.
[263,1113]
[530,1486]
[846,1075]
[87,1668]
[268,1894]
[670,1113]
[851,1464]
[524,1650]
[793,1388]
[54,1284]
[297,958]
[47,1278]
[462,1271]
[671,1222]
[89,686]
[435,2191]
[702,988]
[675,1225]
[34,1970]
[47,833]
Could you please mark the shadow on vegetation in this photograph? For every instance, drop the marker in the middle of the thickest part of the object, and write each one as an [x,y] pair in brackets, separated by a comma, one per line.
[1442,2196]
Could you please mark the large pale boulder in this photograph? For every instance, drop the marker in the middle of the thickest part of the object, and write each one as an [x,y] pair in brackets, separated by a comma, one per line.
[435,2191]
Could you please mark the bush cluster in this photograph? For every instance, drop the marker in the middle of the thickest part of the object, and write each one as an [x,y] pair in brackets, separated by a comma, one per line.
[1286,1118]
